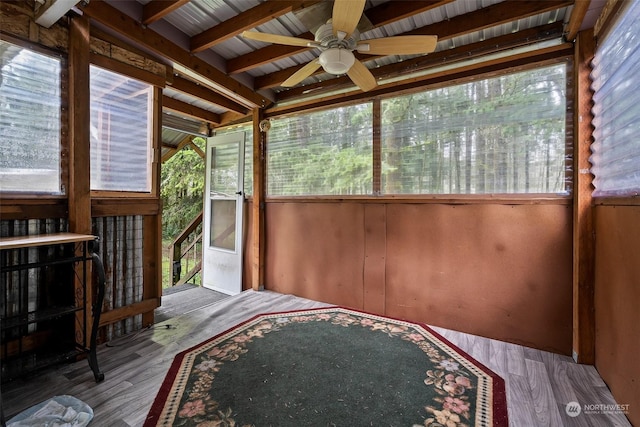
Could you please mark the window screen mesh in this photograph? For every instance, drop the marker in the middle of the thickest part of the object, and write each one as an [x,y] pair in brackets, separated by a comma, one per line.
[321,153]
[29,120]
[248,152]
[616,147]
[120,132]
[500,135]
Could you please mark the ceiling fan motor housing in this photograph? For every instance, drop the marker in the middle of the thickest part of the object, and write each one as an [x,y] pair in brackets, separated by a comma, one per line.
[327,39]
[336,57]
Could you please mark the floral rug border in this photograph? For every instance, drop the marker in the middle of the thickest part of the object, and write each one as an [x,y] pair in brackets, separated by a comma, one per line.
[490,405]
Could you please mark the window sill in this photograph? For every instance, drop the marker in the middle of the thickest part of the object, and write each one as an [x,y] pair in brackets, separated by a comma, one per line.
[449,199]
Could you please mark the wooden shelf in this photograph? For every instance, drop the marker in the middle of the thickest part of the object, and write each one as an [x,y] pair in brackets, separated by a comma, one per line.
[43,239]
[37,316]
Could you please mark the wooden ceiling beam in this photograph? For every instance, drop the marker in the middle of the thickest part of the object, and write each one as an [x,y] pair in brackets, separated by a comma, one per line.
[471,22]
[156,10]
[494,15]
[458,54]
[578,13]
[265,55]
[173,150]
[380,15]
[392,11]
[159,45]
[230,118]
[199,91]
[190,110]
[444,77]
[258,15]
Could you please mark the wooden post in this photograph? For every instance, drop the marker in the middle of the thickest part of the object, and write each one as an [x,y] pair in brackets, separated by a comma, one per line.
[152,224]
[257,230]
[583,229]
[377,148]
[79,190]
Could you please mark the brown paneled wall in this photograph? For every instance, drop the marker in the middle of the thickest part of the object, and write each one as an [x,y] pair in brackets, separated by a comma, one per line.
[501,271]
[617,302]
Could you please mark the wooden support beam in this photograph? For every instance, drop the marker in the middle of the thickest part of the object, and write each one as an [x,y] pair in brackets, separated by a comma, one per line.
[578,13]
[190,110]
[258,226]
[583,226]
[377,147]
[266,55]
[257,15]
[468,23]
[446,76]
[79,191]
[194,89]
[230,118]
[436,59]
[118,21]
[152,224]
[609,14]
[197,149]
[156,9]
[185,141]
[392,11]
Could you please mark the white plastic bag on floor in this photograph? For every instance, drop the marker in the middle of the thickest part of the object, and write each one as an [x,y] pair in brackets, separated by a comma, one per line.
[59,411]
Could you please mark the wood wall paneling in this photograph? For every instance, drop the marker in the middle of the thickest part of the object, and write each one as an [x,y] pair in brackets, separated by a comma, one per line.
[617,297]
[493,270]
[316,250]
[498,271]
[374,268]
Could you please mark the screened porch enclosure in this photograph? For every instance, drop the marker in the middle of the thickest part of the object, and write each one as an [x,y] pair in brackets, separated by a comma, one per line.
[501,135]
[489,187]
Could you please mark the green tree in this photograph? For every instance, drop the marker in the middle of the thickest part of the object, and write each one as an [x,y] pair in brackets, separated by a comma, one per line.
[181,189]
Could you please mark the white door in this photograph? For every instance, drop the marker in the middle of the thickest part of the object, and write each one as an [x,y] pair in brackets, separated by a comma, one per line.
[223,205]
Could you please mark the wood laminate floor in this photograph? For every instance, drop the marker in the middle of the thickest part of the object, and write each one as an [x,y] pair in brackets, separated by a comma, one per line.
[539,384]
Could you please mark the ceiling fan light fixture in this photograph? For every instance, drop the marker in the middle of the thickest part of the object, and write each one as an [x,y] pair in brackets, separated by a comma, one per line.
[337,60]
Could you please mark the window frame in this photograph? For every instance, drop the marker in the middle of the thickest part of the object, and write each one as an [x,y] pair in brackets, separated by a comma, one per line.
[64,143]
[497,198]
[155,127]
[325,196]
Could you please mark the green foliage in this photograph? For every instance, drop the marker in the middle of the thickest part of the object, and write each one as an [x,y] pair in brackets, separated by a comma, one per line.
[181,189]
[502,134]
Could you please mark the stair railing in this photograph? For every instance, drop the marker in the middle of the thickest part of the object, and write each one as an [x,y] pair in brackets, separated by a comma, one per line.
[186,250]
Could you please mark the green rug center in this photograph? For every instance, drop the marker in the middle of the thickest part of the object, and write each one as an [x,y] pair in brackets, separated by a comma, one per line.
[319,373]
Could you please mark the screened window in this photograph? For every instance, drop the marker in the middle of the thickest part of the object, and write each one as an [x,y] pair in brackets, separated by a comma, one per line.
[616,147]
[499,135]
[322,153]
[121,112]
[29,121]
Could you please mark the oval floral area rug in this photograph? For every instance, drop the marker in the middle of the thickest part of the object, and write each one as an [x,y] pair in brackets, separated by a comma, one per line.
[328,367]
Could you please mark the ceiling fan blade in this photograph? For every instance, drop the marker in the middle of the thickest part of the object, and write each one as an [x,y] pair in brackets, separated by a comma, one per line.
[398,45]
[362,77]
[278,39]
[302,73]
[346,15]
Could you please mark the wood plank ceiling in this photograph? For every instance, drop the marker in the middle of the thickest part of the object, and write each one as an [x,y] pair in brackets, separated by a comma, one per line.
[219,76]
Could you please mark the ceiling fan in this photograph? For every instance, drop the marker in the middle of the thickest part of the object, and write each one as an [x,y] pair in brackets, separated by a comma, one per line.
[338,38]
